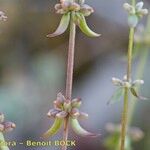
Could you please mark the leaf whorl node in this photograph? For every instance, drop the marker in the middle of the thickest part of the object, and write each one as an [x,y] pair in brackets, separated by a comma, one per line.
[6,126]
[135,13]
[67,109]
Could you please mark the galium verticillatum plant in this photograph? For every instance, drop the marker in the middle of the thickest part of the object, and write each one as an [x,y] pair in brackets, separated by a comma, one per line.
[66,109]
[128,85]
[134,134]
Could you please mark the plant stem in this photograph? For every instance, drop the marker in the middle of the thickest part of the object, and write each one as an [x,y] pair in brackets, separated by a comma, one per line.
[70,64]
[2,140]
[139,74]
[140,69]
[69,80]
[126,93]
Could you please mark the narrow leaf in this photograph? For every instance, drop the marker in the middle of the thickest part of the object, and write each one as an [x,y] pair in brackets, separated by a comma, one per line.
[54,129]
[134,93]
[79,130]
[116,96]
[84,27]
[62,26]
[2,140]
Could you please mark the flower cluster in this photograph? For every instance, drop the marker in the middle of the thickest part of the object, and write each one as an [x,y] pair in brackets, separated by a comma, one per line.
[131,85]
[3,17]
[125,83]
[76,12]
[122,84]
[135,12]
[66,109]
[67,6]
[5,126]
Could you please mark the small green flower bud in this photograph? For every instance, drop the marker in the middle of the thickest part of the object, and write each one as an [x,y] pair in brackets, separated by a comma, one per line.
[76,102]
[67,105]
[127,84]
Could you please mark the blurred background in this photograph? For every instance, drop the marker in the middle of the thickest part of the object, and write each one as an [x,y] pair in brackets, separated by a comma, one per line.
[33,69]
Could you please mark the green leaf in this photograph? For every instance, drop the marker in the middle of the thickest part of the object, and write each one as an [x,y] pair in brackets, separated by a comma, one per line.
[2,147]
[134,93]
[64,23]
[116,96]
[112,141]
[79,130]
[84,27]
[54,129]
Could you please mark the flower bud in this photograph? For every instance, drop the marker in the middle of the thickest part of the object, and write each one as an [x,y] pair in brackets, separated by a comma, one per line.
[127,84]
[143,12]
[65,5]
[61,114]
[74,7]
[86,10]
[139,6]
[67,105]
[52,113]
[76,102]
[58,104]
[117,81]
[75,113]
[60,97]
[130,9]
[138,82]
